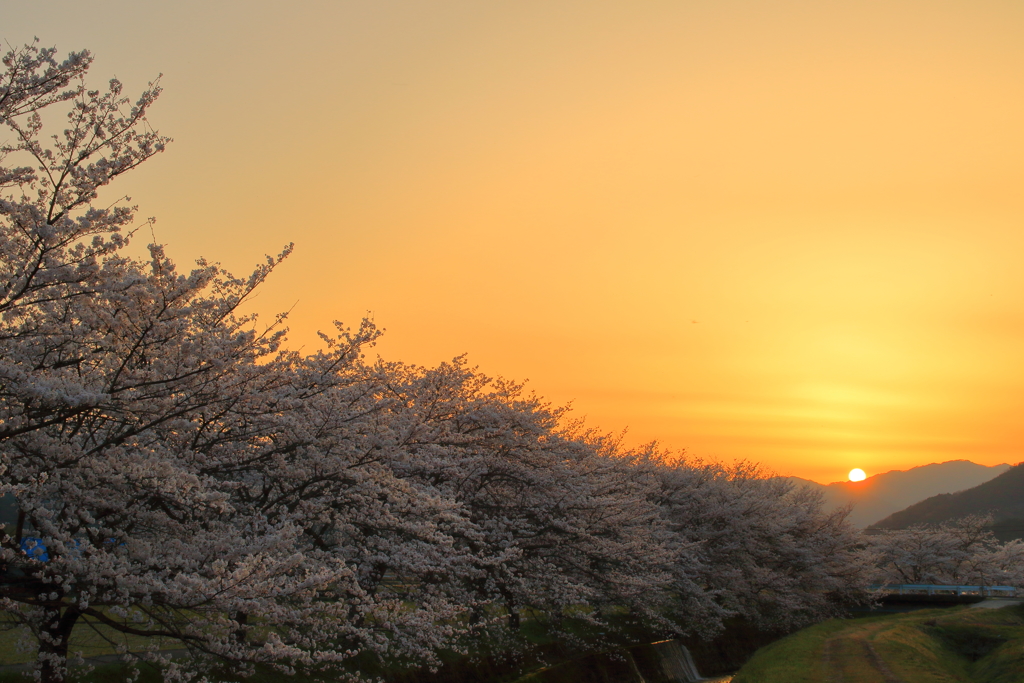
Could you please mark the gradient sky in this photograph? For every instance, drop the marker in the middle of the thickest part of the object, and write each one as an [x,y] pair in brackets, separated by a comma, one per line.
[788,232]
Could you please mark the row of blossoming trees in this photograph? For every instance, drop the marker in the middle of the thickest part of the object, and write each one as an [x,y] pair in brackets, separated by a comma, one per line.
[959,552]
[179,473]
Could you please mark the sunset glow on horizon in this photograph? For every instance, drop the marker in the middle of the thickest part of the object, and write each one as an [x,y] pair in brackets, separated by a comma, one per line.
[784,232]
[857,474]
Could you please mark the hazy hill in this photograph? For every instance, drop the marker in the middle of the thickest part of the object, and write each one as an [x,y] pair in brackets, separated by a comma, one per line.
[883,494]
[1002,497]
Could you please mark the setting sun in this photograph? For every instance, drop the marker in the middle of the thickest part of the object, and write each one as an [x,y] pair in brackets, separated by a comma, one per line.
[857,474]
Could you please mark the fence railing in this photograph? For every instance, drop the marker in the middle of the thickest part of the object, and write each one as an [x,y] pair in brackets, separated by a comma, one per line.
[937,589]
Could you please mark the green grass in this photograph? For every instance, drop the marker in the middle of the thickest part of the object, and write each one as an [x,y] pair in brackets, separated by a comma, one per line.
[794,659]
[90,638]
[958,645]
[504,659]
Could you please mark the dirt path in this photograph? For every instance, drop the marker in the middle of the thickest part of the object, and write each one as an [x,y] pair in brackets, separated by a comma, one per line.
[852,658]
[996,603]
[830,661]
[887,675]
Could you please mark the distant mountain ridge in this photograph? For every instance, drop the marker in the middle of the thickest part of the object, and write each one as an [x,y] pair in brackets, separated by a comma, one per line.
[881,495]
[1001,497]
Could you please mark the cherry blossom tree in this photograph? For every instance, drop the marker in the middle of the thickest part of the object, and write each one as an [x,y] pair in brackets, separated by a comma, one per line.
[962,551]
[767,551]
[1002,565]
[553,518]
[177,473]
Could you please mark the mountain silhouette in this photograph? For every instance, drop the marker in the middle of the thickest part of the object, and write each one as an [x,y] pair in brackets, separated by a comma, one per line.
[1001,497]
[881,495]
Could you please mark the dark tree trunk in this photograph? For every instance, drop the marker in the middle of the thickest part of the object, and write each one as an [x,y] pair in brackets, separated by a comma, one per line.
[513,617]
[53,643]
[513,610]
[242,618]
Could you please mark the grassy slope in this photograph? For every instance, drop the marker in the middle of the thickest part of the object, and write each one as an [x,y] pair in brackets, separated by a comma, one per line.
[930,646]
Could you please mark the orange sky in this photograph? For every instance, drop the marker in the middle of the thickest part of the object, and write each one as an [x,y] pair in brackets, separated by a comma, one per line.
[789,232]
